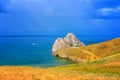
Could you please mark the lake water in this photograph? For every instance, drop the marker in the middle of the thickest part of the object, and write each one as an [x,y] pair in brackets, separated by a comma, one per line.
[34,51]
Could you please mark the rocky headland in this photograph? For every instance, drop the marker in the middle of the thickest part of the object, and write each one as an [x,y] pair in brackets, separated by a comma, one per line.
[67,42]
[73,49]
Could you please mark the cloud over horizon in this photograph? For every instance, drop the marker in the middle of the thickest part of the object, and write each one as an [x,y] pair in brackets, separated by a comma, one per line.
[110,12]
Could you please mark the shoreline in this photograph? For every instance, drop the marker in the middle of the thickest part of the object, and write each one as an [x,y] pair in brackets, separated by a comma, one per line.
[90,52]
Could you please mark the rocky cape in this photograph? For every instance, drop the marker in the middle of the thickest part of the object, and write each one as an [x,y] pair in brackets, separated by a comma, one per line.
[63,49]
[67,42]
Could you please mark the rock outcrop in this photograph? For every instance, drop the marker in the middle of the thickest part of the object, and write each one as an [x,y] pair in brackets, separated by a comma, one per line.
[69,41]
[90,52]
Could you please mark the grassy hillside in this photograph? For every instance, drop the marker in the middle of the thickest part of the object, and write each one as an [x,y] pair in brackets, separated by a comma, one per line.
[107,68]
[91,52]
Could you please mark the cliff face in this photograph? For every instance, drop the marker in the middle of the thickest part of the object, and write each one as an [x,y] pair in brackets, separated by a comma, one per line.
[69,41]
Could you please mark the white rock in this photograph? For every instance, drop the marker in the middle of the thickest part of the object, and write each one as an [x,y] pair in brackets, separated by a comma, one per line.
[69,41]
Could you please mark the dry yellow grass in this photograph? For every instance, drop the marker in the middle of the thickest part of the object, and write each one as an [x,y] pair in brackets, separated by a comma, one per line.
[91,52]
[30,73]
[108,70]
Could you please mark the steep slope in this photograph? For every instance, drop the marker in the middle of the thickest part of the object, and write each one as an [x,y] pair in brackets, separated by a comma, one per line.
[90,52]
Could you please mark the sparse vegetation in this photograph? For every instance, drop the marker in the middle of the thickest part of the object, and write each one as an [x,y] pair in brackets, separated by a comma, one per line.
[71,44]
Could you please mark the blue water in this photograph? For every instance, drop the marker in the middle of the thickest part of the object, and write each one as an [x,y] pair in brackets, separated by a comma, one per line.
[34,51]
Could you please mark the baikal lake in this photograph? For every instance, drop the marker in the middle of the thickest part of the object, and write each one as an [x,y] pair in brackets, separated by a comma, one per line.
[35,51]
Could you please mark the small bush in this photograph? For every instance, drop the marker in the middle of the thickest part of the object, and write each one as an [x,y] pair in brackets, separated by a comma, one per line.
[71,44]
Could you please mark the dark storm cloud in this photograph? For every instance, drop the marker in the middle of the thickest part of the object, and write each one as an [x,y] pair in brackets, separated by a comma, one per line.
[4,6]
[49,17]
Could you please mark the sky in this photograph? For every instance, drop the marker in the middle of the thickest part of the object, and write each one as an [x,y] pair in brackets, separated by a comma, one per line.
[58,17]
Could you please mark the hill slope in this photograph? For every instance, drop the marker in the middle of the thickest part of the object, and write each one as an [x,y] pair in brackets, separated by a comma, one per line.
[90,52]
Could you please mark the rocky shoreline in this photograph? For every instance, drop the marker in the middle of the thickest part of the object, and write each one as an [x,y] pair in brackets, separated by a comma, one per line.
[78,52]
[70,41]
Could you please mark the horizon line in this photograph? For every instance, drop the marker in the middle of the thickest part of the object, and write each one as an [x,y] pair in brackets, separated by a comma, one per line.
[58,35]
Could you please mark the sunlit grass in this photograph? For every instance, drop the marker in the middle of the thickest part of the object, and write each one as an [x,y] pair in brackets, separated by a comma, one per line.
[91,52]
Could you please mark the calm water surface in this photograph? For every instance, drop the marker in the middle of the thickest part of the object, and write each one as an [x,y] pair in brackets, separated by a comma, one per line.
[34,51]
